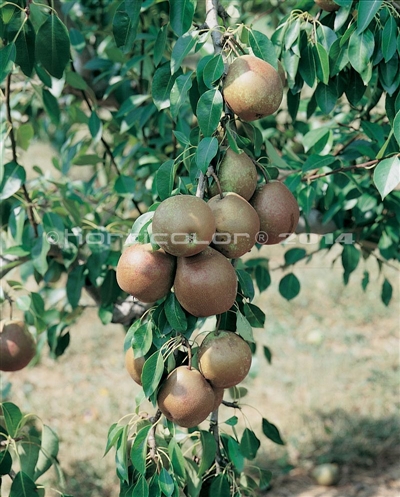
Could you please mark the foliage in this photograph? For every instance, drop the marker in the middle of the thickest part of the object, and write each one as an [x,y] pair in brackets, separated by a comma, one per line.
[134,90]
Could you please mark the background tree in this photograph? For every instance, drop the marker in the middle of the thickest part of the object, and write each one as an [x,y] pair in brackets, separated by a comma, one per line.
[134,90]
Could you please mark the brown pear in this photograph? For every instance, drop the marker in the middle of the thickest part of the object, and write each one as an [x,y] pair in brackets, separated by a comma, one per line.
[236,173]
[205,284]
[278,212]
[145,273]
[134,366]
[237,225]
[183,225]
[224,359]
[327,5]
[252,88]
[17,345]
[185,397]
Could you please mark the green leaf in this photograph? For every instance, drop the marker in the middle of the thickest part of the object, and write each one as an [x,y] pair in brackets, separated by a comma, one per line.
[209,449]
[12,417]
[175,314]
[389,38]
[121,456]
[95,126]
[139,450]
[75,283]
[141,489]
[294,255]
[366,12]
[220,486]
[166,483]
[51,105]
[249,444]
[125,23]
[350,260]
[209,109]
[289,286]
[213,70]
[124,185]
[23,486]
[25,45]
[182,48]
[326,97]
[355,87]
[263,48]
[234,452]
[114,432]
[5,462]
[271,432]
[142,339]
[25,133]
[163,82]
[152,373]
[179,92]
[13,178]
[338,57]
[263,278]
[48,452]
[255,315]
[307,67]
[246,283]
[159,45]
[275,158]
[206,151]
[387,174]
[316,137]
[243,328]
[181,15]
[387,292]
[77,39]
[267,354]
[164,179]
[53,46]
[396,127]
[315,161]
[292,33]
[39,251]
[177,459]
[7,59]
[321,63]
[361,48]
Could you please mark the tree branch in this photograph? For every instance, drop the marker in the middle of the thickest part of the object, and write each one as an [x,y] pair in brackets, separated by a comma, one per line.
[214,430]
[364,165]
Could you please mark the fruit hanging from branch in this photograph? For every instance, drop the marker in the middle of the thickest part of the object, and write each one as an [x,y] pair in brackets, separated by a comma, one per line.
[327,5]
[134,365]
[17,345]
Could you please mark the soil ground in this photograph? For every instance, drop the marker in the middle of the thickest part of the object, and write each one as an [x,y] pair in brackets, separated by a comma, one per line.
[332,388]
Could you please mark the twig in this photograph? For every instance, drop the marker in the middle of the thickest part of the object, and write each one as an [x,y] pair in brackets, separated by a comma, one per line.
[234,405]
[221,196]
[30,213]
[152,437]
[364,165]
[214,430]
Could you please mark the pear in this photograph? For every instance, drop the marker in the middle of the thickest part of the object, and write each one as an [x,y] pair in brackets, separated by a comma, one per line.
[237,225]
[219,397]
[278,212]
[327,5]
[185,397]
[134,366]
[205,284]
[236,173]
[183,225]
[17,345]
[224,359]
[252,88]
[145,273]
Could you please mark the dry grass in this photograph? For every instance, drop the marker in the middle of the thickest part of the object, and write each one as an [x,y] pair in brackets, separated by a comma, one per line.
[332,388]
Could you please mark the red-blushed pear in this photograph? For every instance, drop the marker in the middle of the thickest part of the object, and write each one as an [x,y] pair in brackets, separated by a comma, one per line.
[224,359]
[252,88]
[278,211]
[327,5]
[185,397]
[236,173]
[145,273]
[17,345]
[237,225]
[134,366]
[205,284]
[183,225]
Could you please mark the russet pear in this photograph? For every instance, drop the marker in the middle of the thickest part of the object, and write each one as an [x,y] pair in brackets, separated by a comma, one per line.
[236,173]
[278,212]
[252,88]
[327,5]
[224,359]
[17,345]
[145,273]
[205,284]
[237,225]
[183,225]
[185,397]
[134,365]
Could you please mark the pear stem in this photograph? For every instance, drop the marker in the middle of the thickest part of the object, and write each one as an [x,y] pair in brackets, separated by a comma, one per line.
[217,325]
[186,344]
[262,170]
[221,196]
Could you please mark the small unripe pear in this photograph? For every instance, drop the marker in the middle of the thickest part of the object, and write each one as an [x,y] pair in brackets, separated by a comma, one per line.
[17,345]
[185,397]
[134,366]
[252,88]
[145,273]
[236,173]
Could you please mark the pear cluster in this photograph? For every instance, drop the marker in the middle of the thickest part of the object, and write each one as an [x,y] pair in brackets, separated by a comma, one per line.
[17,345]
